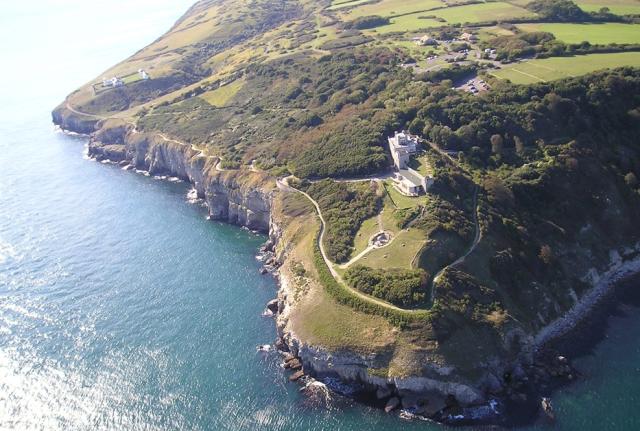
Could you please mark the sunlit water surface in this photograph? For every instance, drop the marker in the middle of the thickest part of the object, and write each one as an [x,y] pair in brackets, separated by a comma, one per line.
[121,307]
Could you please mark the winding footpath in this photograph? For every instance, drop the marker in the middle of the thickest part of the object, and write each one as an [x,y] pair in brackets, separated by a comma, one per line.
[284,185]
[474,244]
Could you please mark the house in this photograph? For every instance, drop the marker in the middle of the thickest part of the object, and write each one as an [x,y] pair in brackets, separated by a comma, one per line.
[406,180]
[113,82]
[143,75]
[469,37]
[426,40]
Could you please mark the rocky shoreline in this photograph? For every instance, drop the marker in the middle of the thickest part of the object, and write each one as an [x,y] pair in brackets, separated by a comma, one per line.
[245,198]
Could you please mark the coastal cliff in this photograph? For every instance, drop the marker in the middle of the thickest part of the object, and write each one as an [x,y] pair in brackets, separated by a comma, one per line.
[247,198]
[238,197]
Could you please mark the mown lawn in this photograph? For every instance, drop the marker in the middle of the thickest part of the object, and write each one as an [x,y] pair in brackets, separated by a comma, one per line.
[399,200]
[593,33]
[549,69]
[399,254]
[361,241]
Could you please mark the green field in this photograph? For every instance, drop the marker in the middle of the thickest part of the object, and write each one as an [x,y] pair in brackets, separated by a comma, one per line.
[549,69]
[399,254]
[411,15]
[408,23]
[391,7]
[344,4]
[361,241]
[221,96]
[481,12]
[618,7]
[399,200]
[602,34]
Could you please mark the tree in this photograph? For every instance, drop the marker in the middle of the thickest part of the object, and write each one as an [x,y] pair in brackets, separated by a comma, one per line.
[497,144]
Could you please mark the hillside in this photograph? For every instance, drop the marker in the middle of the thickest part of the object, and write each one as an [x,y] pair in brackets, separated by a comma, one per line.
[279,113]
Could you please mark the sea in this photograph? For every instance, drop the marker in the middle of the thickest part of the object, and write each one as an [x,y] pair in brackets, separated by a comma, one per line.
[123,308]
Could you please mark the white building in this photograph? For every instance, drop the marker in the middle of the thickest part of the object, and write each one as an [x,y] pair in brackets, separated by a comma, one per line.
[144,75]
[402,146]
[406,180]
[113,82]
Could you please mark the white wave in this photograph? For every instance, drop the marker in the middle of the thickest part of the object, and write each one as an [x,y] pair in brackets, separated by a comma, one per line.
[7,252]
[85,153]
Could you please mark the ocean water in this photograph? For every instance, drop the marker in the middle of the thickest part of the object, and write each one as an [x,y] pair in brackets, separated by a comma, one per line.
[122,307]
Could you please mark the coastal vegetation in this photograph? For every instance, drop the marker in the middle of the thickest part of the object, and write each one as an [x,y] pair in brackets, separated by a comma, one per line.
[534,178]
[404,288]
[345,207]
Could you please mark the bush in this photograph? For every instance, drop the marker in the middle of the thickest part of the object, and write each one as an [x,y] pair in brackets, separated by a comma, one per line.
[344,207]
[365,22]
[401,287]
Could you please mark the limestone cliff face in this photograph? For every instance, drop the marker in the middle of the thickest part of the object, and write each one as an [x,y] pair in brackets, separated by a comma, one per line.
[238,197]
[245,198]
[67,120]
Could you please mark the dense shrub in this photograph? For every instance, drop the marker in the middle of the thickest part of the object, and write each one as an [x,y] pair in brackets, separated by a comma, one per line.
[365,22]
[344,207]
[401,287]
[558,10]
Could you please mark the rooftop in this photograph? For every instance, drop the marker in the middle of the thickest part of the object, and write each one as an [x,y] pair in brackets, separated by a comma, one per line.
[414,179]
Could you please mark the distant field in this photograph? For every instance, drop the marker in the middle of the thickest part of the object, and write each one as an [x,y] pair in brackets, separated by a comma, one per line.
[481,12]
[391,7]
[549,69]
[486,33]
[409,15]
[343,4]
[592,33]
[408,23]
[619,7]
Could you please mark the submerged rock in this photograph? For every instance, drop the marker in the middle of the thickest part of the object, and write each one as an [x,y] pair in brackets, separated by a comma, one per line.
[392,404]
[296,376]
